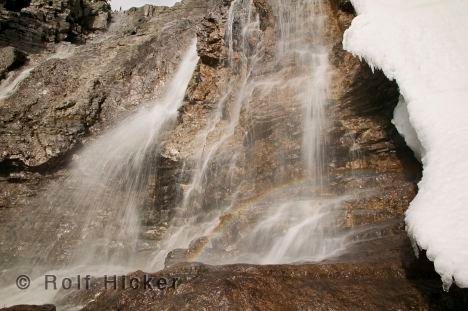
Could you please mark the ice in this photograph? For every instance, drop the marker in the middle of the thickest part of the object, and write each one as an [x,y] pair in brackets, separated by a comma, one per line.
[423,45]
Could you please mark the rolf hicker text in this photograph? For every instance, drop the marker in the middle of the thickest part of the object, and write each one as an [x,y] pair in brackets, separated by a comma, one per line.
[145,282]
[112,282]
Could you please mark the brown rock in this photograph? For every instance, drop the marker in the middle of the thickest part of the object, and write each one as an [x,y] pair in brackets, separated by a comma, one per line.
[352,286]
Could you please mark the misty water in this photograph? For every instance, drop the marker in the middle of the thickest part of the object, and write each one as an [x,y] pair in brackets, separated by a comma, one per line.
[93,216]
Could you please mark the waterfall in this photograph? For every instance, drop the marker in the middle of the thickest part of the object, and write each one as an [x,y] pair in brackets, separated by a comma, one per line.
[89,220]
[192,220]
[113,172]
[300,221]
[295,220]
[243,204]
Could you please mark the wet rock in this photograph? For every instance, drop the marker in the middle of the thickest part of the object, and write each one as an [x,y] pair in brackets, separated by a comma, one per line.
[368,152]
[10,59]
[353,286]
[203,93]
[176,256]
[343,5]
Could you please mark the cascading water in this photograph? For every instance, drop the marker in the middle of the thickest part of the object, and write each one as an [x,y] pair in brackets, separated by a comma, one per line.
[92,214]
[295,220]
[192,221]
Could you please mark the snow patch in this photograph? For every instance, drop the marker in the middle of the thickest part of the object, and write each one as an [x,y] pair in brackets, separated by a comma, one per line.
[423,45]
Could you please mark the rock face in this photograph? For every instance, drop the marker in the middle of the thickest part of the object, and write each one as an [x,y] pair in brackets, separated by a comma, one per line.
[31,25]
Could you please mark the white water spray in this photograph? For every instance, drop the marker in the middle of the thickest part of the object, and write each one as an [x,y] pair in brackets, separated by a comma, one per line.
[93,212]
